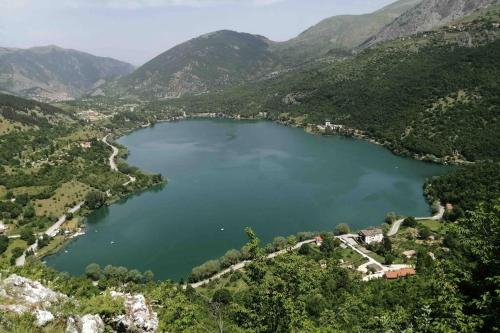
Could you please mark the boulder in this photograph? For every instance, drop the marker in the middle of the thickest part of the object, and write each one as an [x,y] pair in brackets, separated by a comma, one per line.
[92,324]
[24,291]
[43,317]
[138,317]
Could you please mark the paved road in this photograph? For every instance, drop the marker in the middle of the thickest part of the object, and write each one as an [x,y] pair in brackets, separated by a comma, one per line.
[112,162]
[51,232]
[348,240]
[397,224]
[242,264]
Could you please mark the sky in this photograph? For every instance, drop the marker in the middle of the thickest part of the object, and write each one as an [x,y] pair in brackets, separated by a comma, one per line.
[138,30]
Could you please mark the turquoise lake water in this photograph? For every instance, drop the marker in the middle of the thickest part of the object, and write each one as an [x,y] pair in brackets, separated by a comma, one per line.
[225,175]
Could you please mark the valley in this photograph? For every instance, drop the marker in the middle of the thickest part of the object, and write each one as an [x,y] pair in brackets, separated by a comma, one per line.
[237,184]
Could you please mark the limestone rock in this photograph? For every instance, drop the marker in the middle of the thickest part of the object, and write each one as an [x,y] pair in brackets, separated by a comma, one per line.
[92,324]
[24,291]
[138,317]
[43,317]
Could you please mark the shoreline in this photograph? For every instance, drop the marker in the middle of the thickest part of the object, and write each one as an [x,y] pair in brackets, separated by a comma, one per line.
[310,129]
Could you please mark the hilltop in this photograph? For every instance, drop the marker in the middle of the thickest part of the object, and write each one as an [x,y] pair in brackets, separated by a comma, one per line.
[201,65]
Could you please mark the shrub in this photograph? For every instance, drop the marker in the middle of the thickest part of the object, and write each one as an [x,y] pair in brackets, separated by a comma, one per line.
[410,222]
[342,229]
[93,271]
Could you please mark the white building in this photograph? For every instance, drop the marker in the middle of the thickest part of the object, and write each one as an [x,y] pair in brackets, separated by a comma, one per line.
[369,236]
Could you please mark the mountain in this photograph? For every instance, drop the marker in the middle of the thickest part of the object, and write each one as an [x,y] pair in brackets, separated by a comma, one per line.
[207,63]
[340,34]
[52,73]
[428,15]
[433,95]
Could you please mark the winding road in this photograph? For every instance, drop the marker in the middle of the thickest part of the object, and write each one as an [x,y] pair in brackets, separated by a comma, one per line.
[52,231]
[112,158]
[397,224]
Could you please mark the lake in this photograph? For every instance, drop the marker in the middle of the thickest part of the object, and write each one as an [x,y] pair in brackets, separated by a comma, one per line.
[224,175]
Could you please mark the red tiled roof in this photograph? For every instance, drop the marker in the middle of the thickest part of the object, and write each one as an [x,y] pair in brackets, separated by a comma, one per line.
[400,273]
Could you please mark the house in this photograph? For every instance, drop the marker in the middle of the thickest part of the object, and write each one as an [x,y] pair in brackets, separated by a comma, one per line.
[400,273]
[369,236]
[449,207]
[86,144]
[2,228]
[318,240]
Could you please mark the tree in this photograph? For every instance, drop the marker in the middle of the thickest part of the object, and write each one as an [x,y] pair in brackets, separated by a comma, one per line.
[222,296]
[93,272]
[279,243]
[4,243]
[342,229]
[221,299]
[230,258]
[95,199]
[410,222]
[387,244]
[424,232]
[253,243]
[390,218]
[329,244]
[29,212]
[27,235]
[43,241]
[148,276]
[425,264]
[305,249]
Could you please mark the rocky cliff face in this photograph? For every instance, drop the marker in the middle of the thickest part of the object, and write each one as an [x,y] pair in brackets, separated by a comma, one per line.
[428,15]
[52,73]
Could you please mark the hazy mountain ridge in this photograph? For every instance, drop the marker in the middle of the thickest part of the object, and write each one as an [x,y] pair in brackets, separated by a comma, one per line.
[428,15]
[53,73]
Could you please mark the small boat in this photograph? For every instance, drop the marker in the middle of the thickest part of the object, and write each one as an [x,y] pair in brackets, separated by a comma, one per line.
[112,242]
[221,229]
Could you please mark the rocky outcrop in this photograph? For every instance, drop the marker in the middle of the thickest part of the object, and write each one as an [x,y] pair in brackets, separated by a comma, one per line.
[428,15]
[138,317]
[21,295]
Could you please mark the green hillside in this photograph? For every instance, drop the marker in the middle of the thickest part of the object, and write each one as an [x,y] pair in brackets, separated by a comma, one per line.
[431,95]
[340,34]
[204,64]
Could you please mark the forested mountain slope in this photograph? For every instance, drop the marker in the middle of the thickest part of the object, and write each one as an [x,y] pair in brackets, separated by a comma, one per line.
[52,73]
[432,95]
[207,63]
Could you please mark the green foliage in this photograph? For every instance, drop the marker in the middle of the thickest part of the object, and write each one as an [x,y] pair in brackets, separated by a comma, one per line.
[93,271]
[28,236]
[4,243]
[410,222]
[95,199]
[467,186]
[342,229]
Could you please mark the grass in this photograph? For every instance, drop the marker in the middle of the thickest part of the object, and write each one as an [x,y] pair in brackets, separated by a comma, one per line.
[434,226]
[30,190]
[65,196]
[7,126]
[5,257]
